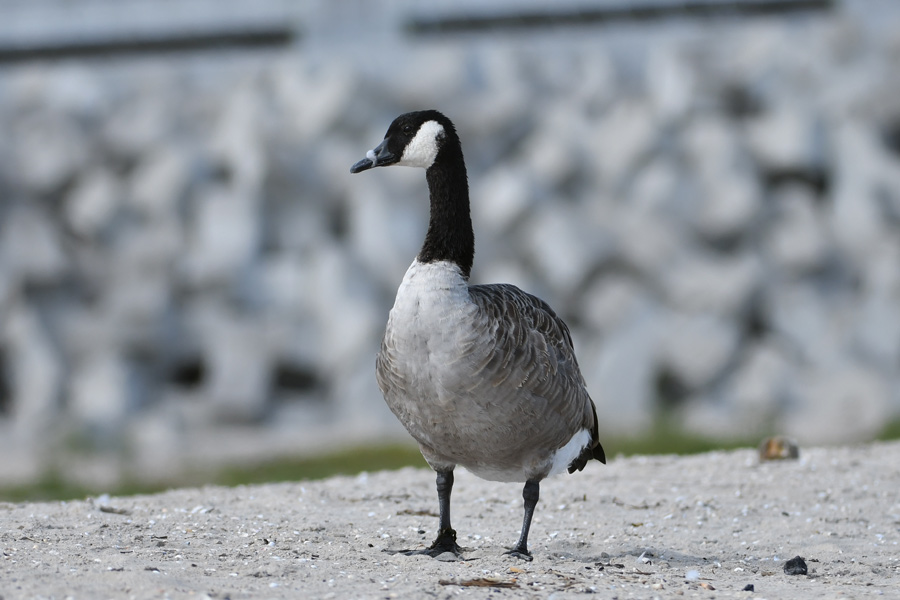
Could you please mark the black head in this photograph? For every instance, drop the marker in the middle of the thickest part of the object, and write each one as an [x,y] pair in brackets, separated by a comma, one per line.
[415,139]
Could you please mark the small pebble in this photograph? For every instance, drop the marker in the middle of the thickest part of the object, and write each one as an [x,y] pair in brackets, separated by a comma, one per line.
[795,566]
[748,588]
[778,448]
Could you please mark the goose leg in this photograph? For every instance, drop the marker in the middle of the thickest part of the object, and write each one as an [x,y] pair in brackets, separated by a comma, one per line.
[446,538]
[530,493]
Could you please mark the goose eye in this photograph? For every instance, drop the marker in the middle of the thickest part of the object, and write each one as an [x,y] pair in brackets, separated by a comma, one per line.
[407,129]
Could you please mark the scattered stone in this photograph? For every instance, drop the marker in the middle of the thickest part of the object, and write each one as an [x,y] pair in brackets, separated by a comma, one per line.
[705,282]
[877,328]
[31,246]
[695,348]
[238,354]
[160,180]
[47,149]
[748,588]
[723,219]
[759,383]
[564,247]
[648,243]
[511,194]
[224,236]
[35,371]
[856,220]
[105,508]
[623,366]
[671,81]
[612,300]
[785,138]
[93,202]
[99,394]
[622,137]
[795,566]
[778,447]
[140,122]
[809,324]
[797,238]
[730,203]
[822,398]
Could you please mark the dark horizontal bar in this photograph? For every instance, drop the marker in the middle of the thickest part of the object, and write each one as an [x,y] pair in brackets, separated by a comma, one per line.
[188,42]
[611,14]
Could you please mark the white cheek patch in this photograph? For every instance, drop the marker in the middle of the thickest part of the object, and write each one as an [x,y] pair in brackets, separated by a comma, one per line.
[371,156]
[423,149]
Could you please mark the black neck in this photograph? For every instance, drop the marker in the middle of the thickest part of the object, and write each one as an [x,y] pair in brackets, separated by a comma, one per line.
[450,235]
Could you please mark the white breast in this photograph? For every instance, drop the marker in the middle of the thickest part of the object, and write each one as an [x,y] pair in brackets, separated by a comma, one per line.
[428,321]
[429,289]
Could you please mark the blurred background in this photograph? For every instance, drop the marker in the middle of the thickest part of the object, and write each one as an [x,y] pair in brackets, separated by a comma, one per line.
[191,281]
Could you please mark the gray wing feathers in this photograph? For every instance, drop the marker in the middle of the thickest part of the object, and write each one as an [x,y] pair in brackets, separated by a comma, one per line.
[532,364]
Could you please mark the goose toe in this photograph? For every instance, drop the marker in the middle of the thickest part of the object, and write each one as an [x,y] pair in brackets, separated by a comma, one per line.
[521,553]
[444,544]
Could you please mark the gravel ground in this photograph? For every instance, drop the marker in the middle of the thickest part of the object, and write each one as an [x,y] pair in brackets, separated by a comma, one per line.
[703,526]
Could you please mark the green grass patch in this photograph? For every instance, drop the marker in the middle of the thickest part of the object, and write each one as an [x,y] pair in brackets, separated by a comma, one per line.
[662,438]
[891,431]
[343,462]
[53,486]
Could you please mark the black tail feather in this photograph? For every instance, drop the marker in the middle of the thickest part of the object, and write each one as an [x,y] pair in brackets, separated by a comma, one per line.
[589,452]
[592,451]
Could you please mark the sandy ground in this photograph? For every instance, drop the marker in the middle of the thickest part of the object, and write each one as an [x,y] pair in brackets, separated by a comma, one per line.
[702,526]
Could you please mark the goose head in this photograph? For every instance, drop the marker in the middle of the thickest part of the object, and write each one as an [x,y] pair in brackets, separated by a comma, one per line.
[415,139]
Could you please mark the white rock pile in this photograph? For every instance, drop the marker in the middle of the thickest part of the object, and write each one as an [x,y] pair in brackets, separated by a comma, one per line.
[188,272]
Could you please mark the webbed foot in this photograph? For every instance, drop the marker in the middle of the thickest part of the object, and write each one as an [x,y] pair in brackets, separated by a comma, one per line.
[520,552]
[444,543]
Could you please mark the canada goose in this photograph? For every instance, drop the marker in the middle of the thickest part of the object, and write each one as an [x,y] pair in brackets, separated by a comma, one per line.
[482,376]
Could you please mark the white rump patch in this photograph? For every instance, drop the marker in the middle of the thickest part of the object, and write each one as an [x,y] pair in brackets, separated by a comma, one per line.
[423,149]
[565,455]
